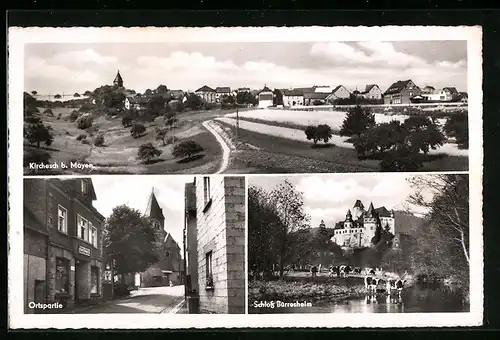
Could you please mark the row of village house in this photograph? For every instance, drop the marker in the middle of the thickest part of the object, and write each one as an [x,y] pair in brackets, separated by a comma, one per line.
[64,259]
[400,92]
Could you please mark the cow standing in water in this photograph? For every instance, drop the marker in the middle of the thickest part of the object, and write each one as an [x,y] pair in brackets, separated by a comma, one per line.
[334,270]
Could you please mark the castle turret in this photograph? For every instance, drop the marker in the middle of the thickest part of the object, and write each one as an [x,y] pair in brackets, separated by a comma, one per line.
[371,211]
[348,216]
[358,210]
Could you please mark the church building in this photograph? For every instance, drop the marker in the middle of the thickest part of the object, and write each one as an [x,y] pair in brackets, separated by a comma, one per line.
[358,228]
[169,268]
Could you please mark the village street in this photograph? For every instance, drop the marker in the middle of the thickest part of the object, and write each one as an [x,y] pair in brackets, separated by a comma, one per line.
[145,300]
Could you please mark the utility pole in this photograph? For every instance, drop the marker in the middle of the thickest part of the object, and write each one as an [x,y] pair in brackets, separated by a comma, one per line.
[237,124]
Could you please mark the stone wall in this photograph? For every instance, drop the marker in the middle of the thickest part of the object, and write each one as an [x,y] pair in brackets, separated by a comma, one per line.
[211,230]
[235,239]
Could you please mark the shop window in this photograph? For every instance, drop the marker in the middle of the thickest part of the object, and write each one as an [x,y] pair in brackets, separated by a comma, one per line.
[62,275]
[94,280]
[209,272]
[62,220]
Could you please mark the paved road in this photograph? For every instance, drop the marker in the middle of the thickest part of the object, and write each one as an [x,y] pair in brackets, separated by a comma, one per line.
[145,300]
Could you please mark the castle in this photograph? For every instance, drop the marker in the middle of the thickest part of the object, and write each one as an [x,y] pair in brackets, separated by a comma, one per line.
[358,228]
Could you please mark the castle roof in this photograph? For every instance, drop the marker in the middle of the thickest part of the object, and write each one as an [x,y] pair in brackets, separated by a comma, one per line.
[383,212]
[358,204]
[153,208]
[370,211]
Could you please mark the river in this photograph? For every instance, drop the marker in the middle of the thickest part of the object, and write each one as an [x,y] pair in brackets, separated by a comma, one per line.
[412,300]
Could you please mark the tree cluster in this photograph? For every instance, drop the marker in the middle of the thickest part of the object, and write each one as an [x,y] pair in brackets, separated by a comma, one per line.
[318,133]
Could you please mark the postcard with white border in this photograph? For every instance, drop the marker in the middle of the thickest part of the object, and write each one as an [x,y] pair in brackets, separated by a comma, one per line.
[245,177]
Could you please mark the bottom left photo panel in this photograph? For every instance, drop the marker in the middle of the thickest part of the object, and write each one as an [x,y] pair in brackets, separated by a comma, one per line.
[135,244]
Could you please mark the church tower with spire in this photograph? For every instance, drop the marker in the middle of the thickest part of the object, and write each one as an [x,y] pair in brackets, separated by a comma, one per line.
[155,213]
[118,80]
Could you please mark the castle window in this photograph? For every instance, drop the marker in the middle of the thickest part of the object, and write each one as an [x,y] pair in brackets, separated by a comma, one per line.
[167,253]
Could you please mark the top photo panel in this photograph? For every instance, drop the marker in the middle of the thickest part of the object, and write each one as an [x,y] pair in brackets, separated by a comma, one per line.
[137,102]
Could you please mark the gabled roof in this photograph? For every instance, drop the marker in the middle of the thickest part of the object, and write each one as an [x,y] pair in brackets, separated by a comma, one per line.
[397,86]
[224,89]
[176,93]
[383,212]
[369,87]
[305,89]
[316,95]
[153,208]
[452,90]
[293,92]
[266,89]
[205,88]
[170,242]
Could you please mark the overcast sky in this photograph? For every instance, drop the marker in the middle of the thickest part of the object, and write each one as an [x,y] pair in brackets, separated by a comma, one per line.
[52,68]
[135,190]
[329,197]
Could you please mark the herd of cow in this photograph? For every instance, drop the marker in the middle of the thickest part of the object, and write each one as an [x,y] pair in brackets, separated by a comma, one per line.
[372,283]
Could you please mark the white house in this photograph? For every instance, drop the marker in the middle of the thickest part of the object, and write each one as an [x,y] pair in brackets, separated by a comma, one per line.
[445,94]
[340,92]
[222,91]
[372,91]
[207,93]
[293,97]
[265,97]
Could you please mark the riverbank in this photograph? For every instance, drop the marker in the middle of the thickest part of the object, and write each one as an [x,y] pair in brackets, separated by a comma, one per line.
[305,291]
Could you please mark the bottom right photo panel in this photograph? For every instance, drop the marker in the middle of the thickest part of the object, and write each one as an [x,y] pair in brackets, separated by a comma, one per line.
[358,243]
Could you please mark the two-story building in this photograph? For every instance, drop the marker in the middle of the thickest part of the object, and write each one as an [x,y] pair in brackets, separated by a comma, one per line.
[206,93]
[372,92]
[214,252]
[293,97]
[265,97]
[62,242]
[223,91]
[339,92]
[401,92]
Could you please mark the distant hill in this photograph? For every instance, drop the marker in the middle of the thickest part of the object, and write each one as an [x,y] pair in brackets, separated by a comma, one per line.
[406,223]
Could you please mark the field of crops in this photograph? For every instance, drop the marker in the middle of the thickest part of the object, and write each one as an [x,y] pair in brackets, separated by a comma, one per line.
[304,118]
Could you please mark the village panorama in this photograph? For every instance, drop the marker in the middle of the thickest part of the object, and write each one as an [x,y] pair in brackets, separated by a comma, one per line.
[406,123]
[351,244]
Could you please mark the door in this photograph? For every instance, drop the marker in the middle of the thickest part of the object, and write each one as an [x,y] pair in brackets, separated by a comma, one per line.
[39,293]
[77,299]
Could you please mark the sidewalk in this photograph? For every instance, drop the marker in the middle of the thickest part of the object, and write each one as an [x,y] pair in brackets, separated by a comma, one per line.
[183,309]
[85,307]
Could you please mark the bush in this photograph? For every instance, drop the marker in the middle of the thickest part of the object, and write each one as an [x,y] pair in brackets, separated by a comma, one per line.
[36,132]
[457,126]
[99,140]
[186,149]
[73,116]
[84,122]
[81,136]
[147,152]
[138,130]
[358,119]
[321,132]
[85,141]
[48,112]
[398,145]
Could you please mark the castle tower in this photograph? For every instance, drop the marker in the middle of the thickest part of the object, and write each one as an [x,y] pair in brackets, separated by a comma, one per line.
[358,210]
[118,80]
[369,224]
[348,220]
[322,224]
